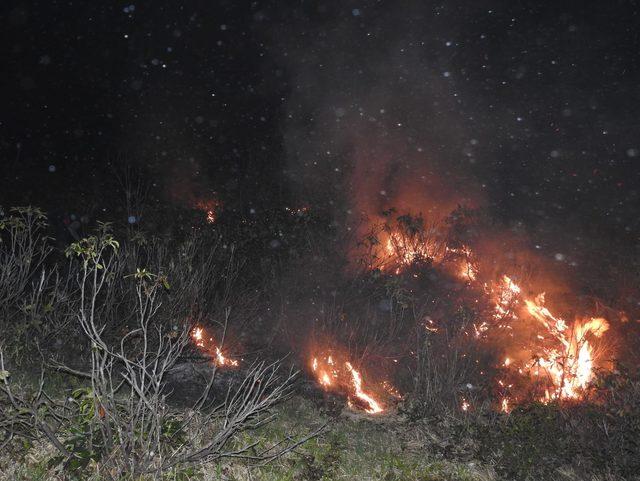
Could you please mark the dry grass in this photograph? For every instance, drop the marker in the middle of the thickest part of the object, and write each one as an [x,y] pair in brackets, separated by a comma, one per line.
[354,447]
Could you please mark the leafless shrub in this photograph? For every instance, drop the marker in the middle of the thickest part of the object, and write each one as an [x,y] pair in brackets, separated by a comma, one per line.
[122,420]
[134,188]
[35,294]
[23,251]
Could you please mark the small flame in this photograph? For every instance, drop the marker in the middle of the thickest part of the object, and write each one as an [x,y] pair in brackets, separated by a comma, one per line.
[198,336]
[508,297]
[344,377]
[374,407]
[430,326]
[210,207]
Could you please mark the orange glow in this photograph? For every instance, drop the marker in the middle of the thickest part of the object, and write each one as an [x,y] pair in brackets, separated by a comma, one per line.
[508,293]
[465,268]
[210,207]
[403,247]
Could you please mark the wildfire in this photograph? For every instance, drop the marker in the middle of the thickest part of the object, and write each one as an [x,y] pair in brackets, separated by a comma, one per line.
[208,345]
[570,366]
[508,296]
[563,354]
[344,377]
[563,358]
[465,268]
[545,356]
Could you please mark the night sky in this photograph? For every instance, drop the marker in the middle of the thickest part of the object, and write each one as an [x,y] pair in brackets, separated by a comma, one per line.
[534,104]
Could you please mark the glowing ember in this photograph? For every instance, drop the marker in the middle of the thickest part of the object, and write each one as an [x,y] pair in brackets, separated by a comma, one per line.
[210,207]
[430,326]
[208,345]
[298,211]
[197,335]
[344,377]
[391,390]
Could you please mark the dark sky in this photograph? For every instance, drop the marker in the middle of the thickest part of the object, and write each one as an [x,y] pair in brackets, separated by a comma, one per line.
[537,102]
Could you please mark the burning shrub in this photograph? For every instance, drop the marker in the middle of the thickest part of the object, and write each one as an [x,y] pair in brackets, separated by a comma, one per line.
[401,242]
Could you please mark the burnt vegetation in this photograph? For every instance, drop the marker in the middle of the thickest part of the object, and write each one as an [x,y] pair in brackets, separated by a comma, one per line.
[273,347]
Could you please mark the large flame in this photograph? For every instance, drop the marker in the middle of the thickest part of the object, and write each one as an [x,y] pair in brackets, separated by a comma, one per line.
[562,356]
[570,366]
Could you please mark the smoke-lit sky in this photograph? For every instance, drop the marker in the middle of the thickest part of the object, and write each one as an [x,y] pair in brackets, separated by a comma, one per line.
[529,108]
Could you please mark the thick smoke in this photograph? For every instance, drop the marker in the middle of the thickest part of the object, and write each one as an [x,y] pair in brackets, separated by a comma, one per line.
[373,119]
[381,115]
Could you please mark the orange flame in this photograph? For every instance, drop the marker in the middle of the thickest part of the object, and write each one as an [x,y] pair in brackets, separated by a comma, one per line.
[508,294]
[208,345]
[210,207]
[374,407]
[344,377]
[570,366]
[465,268]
